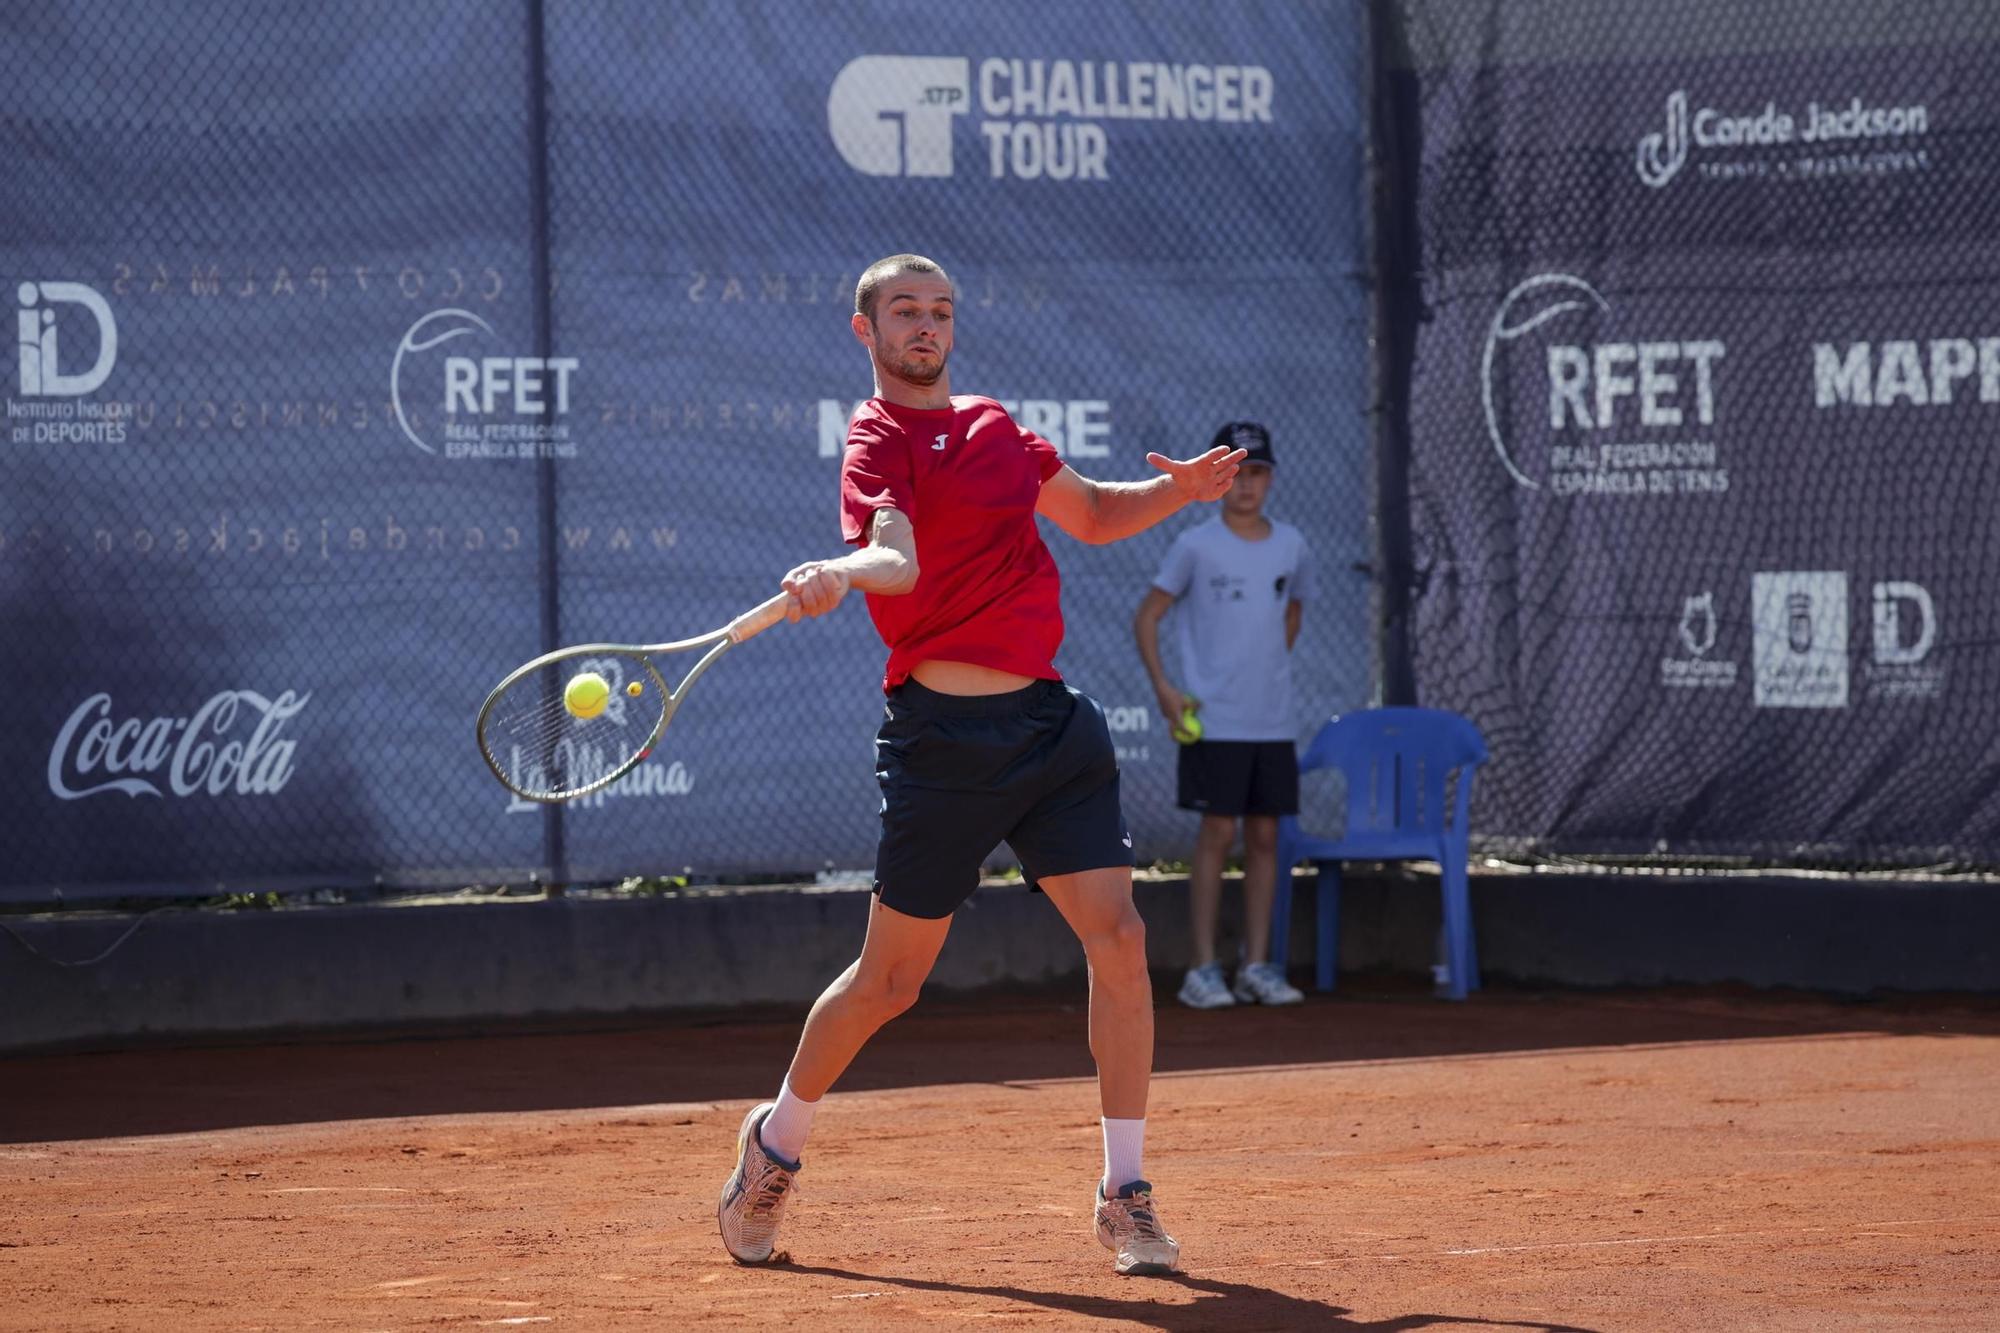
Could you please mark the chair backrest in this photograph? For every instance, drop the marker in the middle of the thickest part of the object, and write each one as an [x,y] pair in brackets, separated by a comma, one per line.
[1396,762]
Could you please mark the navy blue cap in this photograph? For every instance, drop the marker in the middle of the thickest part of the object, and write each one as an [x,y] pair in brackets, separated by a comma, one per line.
[1249,436]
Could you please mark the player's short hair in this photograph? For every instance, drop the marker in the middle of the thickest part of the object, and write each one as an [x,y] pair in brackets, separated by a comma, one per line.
[870,287]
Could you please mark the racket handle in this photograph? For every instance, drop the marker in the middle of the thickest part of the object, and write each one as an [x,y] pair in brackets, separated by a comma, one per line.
[758,619]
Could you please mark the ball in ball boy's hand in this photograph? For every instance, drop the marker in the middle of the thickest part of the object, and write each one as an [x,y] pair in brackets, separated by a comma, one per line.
[1188,729]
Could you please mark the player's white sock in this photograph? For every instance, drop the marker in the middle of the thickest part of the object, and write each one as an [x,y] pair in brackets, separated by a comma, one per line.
[784,1130]
[1124,1149]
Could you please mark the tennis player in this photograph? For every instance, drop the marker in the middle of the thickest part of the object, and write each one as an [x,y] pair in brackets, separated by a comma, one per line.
[980,740]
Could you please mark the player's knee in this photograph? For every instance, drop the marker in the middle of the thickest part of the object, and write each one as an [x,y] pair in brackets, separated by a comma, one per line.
[1120,944]
[889,992]
[1260,836]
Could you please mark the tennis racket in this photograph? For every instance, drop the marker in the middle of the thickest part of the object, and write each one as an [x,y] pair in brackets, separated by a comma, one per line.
[576,720]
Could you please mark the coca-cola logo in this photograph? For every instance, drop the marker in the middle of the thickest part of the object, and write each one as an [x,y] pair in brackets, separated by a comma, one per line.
[207,752]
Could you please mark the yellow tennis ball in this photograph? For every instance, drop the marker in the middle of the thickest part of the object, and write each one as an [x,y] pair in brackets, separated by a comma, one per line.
[1188,729]
[586,694]
[635,689]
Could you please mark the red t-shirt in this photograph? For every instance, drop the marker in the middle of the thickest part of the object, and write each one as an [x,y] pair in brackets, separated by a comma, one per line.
[987,590]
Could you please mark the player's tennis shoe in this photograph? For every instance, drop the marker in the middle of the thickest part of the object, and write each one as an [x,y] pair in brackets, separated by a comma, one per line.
[753,1202]
[1264,983]
[1129,1226]
[1204,988]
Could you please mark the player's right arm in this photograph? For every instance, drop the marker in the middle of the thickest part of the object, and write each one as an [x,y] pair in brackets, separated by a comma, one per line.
[877,511]
[886,566]
[1146,629]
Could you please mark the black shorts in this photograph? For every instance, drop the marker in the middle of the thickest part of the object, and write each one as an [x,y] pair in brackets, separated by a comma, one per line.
[960,774]
[1240,778]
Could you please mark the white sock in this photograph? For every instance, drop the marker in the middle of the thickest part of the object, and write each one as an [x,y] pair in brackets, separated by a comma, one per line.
[1124,1148]
[784,1131]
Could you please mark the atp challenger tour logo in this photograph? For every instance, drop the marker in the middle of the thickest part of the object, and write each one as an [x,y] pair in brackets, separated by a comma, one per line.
[1826,139]
[233,745]
[487,406]
[1041,119]
[54,406]
[1626,416]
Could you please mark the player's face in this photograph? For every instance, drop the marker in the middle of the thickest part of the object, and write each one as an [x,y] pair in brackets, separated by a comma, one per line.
[1246,494]
[910,335]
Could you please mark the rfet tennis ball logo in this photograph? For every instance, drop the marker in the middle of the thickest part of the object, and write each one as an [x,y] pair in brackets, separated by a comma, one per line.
[455,391]
[1577,402]
[1528,307]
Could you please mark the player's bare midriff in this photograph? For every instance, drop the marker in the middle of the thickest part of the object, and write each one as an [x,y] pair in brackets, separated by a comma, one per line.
[967,678]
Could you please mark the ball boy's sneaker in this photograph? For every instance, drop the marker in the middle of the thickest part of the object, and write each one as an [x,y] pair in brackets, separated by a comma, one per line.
[753,1202]
[1205,988]
[1129,1226]
[1264,983]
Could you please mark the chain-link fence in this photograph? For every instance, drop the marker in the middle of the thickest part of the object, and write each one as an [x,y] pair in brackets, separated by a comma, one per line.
[365,351]
[368,350]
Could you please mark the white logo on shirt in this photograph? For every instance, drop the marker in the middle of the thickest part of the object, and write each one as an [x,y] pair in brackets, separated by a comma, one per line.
[940,442]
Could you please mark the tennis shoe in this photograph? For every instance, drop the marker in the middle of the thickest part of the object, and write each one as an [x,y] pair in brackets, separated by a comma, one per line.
[1264,983]
[1129,1226]
[1204,988]
[753,1202]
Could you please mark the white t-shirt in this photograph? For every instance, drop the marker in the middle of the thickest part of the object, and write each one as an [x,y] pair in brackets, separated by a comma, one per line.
[1229,625]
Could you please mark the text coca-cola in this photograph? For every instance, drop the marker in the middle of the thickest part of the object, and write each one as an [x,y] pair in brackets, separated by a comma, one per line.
[204,752]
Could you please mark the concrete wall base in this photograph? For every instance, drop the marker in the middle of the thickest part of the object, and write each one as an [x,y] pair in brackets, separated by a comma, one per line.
[186,975]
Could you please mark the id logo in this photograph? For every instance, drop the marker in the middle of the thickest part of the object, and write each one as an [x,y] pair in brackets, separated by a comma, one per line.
[1799,619]
[891,115]
[41,364]
[1905,625]
[55,404]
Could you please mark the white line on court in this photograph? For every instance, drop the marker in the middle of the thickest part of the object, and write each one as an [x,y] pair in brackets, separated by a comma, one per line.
[1853,1229]
[1456,1057]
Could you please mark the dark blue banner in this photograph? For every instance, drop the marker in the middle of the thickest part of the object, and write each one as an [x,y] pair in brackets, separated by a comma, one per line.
[1702,420]
[338,336]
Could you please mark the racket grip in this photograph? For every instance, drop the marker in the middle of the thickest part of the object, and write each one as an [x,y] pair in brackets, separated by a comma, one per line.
[758,619]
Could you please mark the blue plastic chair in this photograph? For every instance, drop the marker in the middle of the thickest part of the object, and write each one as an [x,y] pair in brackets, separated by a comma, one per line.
[1396,761]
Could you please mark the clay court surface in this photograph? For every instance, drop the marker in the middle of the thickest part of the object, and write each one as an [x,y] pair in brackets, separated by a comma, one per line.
[1657,1161]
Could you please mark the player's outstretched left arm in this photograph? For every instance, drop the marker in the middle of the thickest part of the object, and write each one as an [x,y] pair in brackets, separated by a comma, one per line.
[1106,511]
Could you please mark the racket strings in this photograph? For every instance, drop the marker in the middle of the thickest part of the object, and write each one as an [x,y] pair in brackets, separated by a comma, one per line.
[540,747]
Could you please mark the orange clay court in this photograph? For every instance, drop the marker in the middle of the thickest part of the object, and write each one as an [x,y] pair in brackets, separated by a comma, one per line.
[1628,1161]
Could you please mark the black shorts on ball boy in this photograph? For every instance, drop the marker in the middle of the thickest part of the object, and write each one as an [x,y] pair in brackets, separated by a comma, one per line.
[1240,778]
[960,774]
